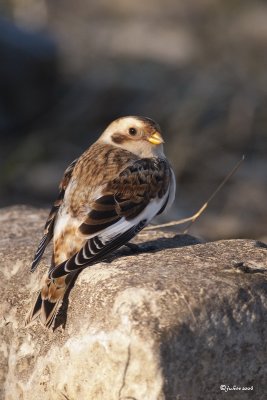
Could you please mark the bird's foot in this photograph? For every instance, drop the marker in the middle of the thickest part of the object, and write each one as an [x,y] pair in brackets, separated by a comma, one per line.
[136,249]
[133,247]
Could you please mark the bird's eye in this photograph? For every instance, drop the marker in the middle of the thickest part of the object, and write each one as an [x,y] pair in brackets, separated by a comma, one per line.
[132,131]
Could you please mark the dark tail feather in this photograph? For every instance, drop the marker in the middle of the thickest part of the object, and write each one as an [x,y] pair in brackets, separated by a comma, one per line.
[40,251]
[35,310]
[46,310]
[49,312]
[48,301]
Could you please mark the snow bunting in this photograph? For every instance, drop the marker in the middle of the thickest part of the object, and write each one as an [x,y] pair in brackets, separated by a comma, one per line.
[106,197]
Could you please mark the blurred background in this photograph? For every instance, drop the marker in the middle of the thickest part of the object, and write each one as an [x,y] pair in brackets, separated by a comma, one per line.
[199,68]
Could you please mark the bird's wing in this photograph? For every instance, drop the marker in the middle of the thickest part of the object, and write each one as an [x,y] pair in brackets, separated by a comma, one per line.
[49,225]
[127,204]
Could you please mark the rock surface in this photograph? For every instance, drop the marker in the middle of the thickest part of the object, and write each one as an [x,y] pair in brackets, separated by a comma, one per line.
[174,321]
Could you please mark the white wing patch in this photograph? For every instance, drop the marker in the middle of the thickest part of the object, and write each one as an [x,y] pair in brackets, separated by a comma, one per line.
[123,224]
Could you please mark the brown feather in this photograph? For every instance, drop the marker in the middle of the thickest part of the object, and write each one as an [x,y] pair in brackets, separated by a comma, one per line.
[128,194]
[124,182]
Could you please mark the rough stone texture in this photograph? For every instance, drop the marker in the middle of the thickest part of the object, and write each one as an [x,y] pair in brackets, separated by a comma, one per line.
[175,321]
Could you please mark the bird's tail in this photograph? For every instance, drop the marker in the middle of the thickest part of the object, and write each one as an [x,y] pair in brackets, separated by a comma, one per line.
[49,300]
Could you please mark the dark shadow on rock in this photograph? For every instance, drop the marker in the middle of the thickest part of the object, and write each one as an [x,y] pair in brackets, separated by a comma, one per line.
[159,244]
[217,359]
[262,245]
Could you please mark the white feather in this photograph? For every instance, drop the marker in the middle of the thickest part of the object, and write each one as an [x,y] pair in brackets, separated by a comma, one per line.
[123,225]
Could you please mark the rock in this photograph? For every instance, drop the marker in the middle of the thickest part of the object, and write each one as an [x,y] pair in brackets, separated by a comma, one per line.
[174,321]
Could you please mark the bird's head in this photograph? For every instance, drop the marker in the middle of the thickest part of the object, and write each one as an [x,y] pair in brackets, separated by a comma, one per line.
[140,135]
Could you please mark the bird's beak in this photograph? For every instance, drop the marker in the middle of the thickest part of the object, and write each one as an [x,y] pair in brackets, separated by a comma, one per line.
[155,138]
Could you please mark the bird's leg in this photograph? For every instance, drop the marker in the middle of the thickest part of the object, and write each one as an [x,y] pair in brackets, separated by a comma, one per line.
[133,247]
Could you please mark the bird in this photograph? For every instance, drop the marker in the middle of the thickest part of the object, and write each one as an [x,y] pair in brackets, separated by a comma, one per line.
[106,197]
